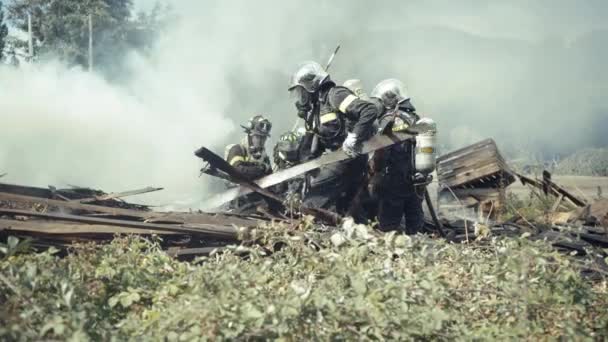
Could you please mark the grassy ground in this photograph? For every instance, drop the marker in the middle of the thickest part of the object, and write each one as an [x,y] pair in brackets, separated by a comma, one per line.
[353,285]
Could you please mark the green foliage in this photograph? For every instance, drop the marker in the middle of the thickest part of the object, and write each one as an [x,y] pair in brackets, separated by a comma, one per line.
[535,205]
[3,31]
[356,285]
[13,247]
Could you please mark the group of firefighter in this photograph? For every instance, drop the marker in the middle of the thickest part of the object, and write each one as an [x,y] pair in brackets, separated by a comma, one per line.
[385,185]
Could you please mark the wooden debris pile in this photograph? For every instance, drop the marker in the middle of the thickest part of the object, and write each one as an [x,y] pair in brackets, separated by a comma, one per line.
[60,217]
[472,193]
[474,177]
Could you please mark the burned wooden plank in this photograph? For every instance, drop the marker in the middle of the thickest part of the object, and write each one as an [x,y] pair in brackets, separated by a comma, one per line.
[56,227]
[549,187]
[202,217]
[74,206]
[219,163]
[118,195]
[74,194]
[205,230]
[197,251]
[26,190]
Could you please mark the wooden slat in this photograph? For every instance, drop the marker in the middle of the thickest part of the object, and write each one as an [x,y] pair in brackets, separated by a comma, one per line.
[118,195]
[469,176]
[475,164]
[194,229]
[71,228]
[75,206]
[26,190]
[466,150]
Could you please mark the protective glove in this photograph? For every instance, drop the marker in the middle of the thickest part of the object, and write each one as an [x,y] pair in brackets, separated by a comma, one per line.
[351,146]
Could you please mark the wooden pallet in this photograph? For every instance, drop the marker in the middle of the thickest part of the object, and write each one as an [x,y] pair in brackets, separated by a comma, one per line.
[479,165]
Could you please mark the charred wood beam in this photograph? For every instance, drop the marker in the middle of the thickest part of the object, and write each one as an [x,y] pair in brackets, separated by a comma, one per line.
[549,187]
[220,164]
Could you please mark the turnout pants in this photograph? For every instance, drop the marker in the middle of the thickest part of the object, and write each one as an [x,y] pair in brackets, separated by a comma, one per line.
[400,199]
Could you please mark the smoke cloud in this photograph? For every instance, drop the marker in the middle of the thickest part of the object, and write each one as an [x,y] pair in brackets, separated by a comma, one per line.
[530,75]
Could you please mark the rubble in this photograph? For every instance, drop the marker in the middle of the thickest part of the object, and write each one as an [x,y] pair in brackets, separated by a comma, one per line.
[59,217]
[474,178]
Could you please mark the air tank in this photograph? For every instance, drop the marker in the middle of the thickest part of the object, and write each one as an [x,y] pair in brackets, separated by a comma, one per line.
[356,87]
[426,149]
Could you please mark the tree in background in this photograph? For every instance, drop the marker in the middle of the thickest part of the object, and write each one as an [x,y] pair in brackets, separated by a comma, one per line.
[60,29]
[3,31]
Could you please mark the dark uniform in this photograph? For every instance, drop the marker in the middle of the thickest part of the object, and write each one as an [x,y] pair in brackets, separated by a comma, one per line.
[334,118]
[250,159]
[393,171]
[251,167]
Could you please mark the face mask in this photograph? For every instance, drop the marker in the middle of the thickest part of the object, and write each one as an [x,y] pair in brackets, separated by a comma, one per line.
[256,145]
[302,100]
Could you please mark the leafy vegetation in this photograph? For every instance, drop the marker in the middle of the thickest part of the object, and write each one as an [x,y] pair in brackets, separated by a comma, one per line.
[531,207]
[354,284]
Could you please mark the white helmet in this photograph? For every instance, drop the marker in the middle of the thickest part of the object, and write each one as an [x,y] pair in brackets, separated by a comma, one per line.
[391,92]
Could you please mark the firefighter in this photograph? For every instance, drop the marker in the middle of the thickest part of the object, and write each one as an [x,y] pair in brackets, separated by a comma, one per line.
[393,169]
[335,117]
[286,154]
[249,157]
[251,160]
[333,113]
[286,151]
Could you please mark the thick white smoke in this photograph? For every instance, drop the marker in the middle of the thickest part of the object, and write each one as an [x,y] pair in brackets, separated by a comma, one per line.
[67,126]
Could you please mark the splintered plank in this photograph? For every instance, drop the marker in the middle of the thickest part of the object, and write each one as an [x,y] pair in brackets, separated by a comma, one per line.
[117,195]
[26,190]
[70,228]
[74,206]
[206,230]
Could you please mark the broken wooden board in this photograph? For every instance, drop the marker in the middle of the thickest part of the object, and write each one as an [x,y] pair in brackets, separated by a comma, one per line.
[55,227]
[218,162]
[549,187]
[375,143]
[30,201]
[116,195]
[205,230]
[84,195]
[477,164]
